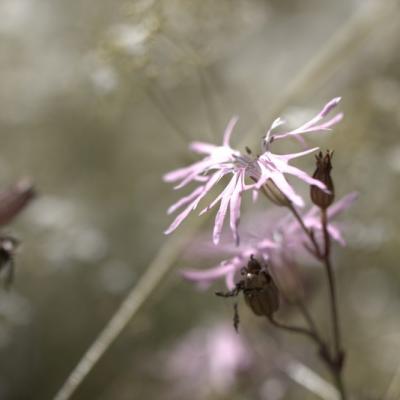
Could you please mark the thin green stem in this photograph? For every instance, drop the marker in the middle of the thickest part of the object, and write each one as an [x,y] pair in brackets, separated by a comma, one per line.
[307,231]
[295,329]
[335,362]
[332,286]
[307,316]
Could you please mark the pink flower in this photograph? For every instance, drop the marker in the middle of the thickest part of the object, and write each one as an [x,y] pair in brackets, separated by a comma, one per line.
[228,268]
[312,219]
[224,160]
[273,240]
[208,361]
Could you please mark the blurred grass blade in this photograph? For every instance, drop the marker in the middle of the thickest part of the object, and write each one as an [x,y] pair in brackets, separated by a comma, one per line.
[309,379]
[135,298]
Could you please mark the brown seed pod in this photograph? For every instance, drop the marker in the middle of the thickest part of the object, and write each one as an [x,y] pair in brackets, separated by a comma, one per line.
[319,197]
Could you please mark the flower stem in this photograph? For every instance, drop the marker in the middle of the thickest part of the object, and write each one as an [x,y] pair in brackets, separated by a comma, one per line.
[307,316]
[332,285]
[296,329]
[322,253]
[338,360]
[307,231]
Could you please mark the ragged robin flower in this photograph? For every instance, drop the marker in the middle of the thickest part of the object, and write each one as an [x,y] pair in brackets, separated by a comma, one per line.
[220,161]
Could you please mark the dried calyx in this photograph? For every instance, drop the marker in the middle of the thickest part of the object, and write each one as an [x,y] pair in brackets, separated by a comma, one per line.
[323,198]
[274,194]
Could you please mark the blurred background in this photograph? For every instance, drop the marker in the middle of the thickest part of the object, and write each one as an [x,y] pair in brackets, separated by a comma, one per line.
[99,99]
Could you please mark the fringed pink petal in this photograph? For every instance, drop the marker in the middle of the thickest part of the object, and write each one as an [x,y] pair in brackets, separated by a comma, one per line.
[289,169]
[343,204]
[219,219]
[178,220]
[235,202]
[193,174]
[184,200]
[286,189]
[208,186]
[202,147]
[291,156]
[335,233]
[230,280]
[209,274]
[312,124]
[328,107]
[229,130]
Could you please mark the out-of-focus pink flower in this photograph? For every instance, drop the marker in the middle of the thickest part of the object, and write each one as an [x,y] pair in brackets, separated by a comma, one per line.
[228,268]
[271,241]
[208,360]
[224,160]
[312,220]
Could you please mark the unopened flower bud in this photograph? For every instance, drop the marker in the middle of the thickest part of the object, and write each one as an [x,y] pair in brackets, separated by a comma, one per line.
[323,198]
[14,199]
[260,292]
[272,191]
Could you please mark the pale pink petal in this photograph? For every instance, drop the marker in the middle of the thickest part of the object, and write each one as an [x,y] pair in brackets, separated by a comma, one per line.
[311,125]
[301,140]
[196,196]
[343,204]
[286,189]
[208,186]
[184,200]
[291,156]
[179,173]
[178,220]
[230,280]
[267,243]
[228,131]
[330,106]
[323,113]
[193,175]
[255,195]
[326,126]
[214,202]
[201,147]
[289,169]
[209,274]
[265,174]
[277,122]
[335,233]
[219,219]
[235,202]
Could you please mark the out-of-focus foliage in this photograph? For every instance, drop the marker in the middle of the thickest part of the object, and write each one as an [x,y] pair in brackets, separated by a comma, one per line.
[98,100]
